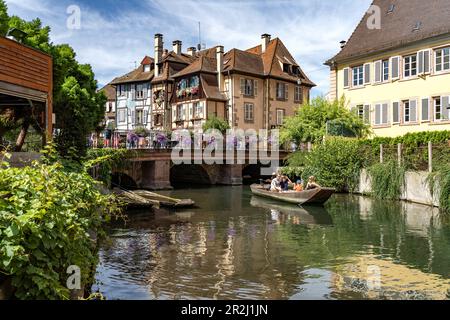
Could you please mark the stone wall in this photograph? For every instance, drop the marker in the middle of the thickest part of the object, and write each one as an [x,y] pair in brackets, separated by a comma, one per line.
[416,188]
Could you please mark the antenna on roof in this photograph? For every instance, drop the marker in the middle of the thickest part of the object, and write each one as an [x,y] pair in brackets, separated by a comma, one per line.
[200,46]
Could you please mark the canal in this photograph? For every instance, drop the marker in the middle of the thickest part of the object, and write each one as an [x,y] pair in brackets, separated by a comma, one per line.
[236,246]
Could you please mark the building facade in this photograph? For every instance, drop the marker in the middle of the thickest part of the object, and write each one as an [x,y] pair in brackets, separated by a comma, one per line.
[398,77]
[134,98]
[110,106]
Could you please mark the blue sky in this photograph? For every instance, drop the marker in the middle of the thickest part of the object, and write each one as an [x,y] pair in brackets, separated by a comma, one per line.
[114,34]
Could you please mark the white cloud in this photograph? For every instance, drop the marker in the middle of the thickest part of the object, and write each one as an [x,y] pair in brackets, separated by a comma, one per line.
[111,39]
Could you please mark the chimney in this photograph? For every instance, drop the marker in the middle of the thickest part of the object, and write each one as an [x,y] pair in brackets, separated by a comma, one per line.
[158,52]
[265,42]
[177,46]
[220,78]
[343,44]
[191,51]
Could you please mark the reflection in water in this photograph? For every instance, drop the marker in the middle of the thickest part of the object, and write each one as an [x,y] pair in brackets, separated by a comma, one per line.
[241,247]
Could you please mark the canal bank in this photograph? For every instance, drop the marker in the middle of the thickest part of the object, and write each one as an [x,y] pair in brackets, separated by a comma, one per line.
[236,246]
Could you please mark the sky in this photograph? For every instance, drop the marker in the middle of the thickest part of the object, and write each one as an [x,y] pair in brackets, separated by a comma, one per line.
[113,35]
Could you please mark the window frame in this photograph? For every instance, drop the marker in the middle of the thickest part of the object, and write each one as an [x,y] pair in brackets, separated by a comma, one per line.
[442,63]
[249,109]
[383,70]
[122,115]
[410,66]
[358,81]
[280,123]
[404,114]
[298,94]
[435,109]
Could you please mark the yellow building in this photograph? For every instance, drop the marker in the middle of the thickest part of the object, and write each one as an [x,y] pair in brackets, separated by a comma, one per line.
[395,68]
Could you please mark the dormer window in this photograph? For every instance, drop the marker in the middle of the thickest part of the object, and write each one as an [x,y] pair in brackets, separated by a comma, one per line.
[286,68]
[296,70]
[391,8]
[147,68]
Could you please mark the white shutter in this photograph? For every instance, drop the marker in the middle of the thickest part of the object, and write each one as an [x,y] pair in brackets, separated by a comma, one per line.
[242,85]
[174,113]
[412,110]
[425,109]
[377,114]
[145,117]
[133,117]
[427,61]
[384,114]
[420,62]
[445,108]
[378,71]
[395,112]
[346,77]
[395,67]
[367,75]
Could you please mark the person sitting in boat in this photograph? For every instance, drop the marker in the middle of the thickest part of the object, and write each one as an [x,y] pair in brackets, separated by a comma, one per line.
[312,184]
[275,185]
[298,187]
[285,181]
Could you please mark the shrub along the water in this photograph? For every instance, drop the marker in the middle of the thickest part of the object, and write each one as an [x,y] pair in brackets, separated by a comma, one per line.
[48,214]
[388,180]
[335,163]
[440,180]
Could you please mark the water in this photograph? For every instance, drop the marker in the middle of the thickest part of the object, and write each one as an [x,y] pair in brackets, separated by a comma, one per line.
[237,246]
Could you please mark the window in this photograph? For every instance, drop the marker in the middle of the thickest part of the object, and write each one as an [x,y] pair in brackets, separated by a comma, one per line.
[139,117]
[286,68]
[248,87]
[385,70]
[147,68]
[409,111]
[298,94]
[180,112]
[437,109]
[198,110]
[406,111]
[158,120]
[122,116]
[360,110]
[121,89]
[139,91]
[410,66]
[442,59]
[110,107]
[248,112]
[282,91]
[280,117]
[358,76]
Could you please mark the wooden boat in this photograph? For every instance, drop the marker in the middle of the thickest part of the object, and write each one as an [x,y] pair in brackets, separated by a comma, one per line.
[165,201]
[309,197]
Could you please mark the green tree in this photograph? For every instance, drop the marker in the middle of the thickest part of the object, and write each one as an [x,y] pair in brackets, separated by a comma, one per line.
[309,124]
[78,106]
[4,18]
[216,123]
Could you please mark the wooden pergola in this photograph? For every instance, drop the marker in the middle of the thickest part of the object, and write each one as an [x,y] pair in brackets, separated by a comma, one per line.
[26,84]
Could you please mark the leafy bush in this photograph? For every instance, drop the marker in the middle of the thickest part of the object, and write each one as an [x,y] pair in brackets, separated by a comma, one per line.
[48,214]
[105,160]
[216,123]
[310,122]
[440,180]
[335,163]
[388,180]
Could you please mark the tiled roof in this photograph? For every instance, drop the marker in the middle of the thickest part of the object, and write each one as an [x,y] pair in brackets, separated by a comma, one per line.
[137,75]
[109,91]
[397,27]
[211,88]
[242,61]
[202,64]
[275,53]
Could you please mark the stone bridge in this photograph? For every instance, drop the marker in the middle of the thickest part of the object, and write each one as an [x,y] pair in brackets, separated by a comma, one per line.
[157,169]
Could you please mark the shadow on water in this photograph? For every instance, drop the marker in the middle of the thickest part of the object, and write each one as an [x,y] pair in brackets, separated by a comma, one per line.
[237,246]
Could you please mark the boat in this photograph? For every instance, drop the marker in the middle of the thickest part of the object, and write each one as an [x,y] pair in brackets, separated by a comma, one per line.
[165,201]
[316,196]
[311,215]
